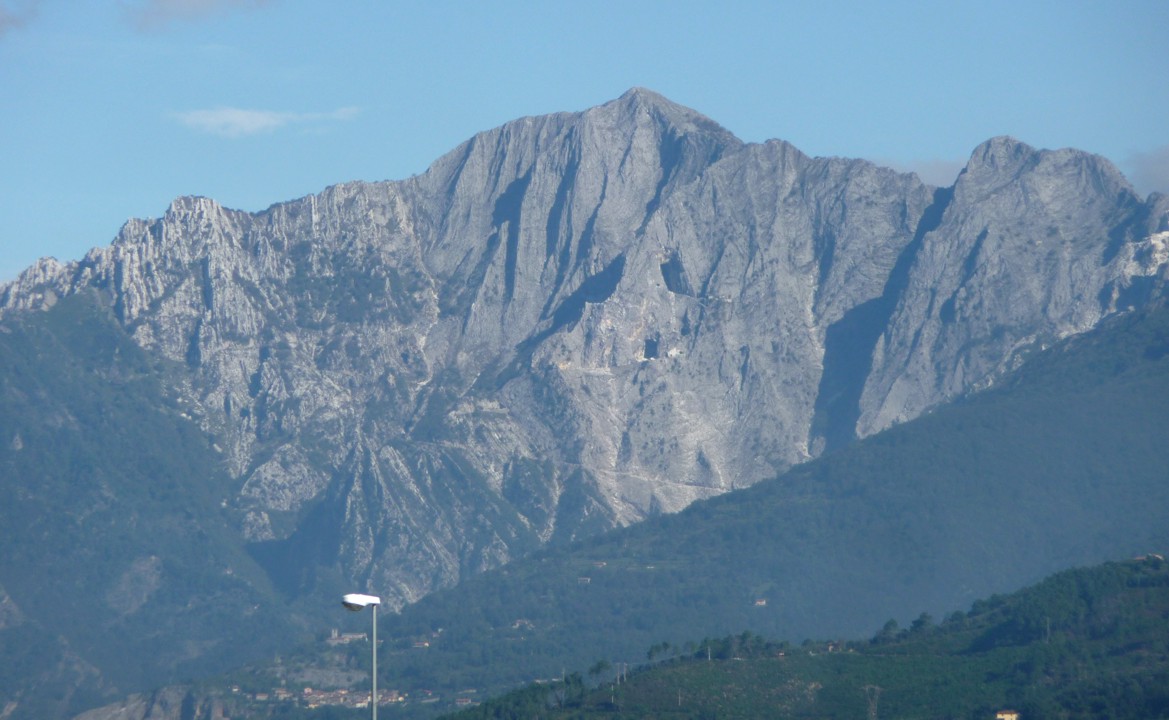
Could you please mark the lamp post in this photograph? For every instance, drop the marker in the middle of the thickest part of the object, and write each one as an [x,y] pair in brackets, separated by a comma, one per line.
[357,602]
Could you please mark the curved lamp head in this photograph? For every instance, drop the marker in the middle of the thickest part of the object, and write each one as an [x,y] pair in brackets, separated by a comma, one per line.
[357,601]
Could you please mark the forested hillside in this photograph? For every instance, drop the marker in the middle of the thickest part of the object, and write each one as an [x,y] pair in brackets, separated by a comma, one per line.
[120,570]
[1085,643]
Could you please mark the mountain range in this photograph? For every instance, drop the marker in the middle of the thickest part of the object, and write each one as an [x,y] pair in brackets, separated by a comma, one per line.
[566,325]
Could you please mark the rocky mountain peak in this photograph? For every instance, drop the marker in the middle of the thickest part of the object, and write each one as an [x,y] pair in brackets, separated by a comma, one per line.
[34,288]
[191,205]
[638,104]
[1000,153]
[1004,159]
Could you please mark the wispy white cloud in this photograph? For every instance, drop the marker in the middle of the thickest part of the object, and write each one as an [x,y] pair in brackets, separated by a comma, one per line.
[158,14]
[232,122]
[15,14]
[1149,171]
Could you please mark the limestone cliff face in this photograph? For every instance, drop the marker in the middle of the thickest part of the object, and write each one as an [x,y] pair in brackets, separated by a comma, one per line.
[574,321]
[1030,246]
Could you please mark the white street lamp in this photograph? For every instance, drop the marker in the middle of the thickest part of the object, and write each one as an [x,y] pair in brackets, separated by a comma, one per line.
[357,602]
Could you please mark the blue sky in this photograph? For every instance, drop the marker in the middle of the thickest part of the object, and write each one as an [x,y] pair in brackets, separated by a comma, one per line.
[111,108]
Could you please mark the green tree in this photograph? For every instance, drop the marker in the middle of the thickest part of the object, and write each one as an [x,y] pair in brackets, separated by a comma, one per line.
[923,623]
[599,668]
[887,634]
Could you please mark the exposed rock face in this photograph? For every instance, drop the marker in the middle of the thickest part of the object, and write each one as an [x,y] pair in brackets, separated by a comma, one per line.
[573,321]
[169,703]
[1033,245]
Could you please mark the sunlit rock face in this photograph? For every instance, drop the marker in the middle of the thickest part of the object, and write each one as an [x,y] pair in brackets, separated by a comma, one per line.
[574,321]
